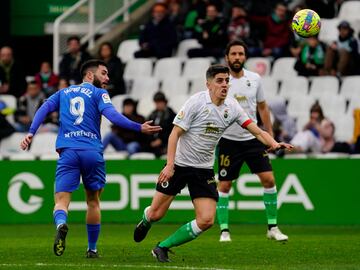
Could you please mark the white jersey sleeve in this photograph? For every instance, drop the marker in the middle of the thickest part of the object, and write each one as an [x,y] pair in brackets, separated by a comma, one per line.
[186,114]
[260,96]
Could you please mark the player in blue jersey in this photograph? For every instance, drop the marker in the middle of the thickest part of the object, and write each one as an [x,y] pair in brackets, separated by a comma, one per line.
[79,146]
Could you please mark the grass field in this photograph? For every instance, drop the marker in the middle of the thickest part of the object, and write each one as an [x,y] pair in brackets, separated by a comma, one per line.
[309,247]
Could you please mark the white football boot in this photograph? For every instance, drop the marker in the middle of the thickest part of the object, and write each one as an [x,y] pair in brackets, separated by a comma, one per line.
[276,234]
[225,236]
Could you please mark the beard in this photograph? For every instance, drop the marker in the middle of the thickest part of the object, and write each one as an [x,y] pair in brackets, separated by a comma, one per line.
[97,82]
[239,66]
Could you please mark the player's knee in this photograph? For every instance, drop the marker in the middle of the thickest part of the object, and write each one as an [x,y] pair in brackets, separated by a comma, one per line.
[93,203]
[268,182]
[205,223]
[224,186]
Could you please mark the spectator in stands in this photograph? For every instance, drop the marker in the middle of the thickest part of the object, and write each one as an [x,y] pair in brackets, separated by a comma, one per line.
[72,61]
[196,14]
[163,115]
[158,37]
[311,58]
[46,79]
[342,55]
[12,75]
[328,142]
[124,139]
[284,126]
[177,17]
[63,83]
[308,140]
[27,106]
[211,34]
[116,85]
[6,129]
[277,32]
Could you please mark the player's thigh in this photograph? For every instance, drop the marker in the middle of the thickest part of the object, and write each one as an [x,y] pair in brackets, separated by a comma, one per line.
[202,184]
[176,183]
[92,169]
[67,176]
[230,160]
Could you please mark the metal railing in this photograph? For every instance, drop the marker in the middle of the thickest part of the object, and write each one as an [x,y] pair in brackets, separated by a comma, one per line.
[93,27]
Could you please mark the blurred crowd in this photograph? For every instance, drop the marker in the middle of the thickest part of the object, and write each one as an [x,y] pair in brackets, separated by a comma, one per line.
[265,25]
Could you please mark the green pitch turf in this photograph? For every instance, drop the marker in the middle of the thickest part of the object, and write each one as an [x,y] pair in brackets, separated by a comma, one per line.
[310,247]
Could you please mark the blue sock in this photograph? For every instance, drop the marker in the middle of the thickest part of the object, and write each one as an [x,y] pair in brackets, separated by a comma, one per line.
[93,231]
[60,217]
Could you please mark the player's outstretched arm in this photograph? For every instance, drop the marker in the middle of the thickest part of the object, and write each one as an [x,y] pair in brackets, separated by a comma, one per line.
[39,117]
[266,139]
[168,171]
[122,121]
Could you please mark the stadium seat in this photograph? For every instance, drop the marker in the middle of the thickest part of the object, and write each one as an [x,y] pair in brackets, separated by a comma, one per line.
[144,87]
[350,87]
[349,10]
[329,31]
[196,67]
[197,85]
[138,67]
[176,102]
[284,68]
[43,143]
[291,88]
[49,156]
[146,106]
[22,156]
[344,126]
[324,87]
[167,68]
[117,101]
[105,127]
[174,86]
[143,155]
[185,45]
[299,108]
[116,155]
[334,107]
[260,65]
[270,87]
[10,102]
[11,144]
[354,103]
[127,48]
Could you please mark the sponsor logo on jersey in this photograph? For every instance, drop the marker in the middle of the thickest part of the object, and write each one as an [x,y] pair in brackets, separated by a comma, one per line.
[211,129]
[106,98]
[240,98]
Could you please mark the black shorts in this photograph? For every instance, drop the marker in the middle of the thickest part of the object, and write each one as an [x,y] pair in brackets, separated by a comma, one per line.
[201,183]
[232,155]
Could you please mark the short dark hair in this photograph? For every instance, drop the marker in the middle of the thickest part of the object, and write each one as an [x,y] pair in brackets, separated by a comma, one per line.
[236,42]
[92,63]
[73,38]
[159,96]
[216,69]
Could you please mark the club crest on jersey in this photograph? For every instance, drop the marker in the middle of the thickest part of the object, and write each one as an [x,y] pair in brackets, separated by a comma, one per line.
[226,113]
[180,115]
[248,83]
[106,98]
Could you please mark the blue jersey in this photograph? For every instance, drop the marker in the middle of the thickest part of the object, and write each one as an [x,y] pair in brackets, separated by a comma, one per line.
[80,108]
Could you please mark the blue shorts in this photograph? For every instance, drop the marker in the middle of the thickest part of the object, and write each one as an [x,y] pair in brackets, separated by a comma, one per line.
[72,164]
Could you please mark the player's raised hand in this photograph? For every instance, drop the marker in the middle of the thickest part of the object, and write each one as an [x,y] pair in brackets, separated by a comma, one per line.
[166,174]
[24,145]
[147,128]
[279,146]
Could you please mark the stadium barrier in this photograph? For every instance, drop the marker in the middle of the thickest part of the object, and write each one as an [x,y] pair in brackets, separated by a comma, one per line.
[310,191]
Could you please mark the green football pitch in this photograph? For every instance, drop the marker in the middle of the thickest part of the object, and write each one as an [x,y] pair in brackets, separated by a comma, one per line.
[309,247]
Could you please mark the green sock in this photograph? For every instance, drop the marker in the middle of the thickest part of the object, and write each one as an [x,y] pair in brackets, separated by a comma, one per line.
[222,211]
[184,234]
[146,222]
[270,201]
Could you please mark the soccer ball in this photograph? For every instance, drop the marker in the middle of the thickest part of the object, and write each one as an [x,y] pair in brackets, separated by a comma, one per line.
[306,23]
